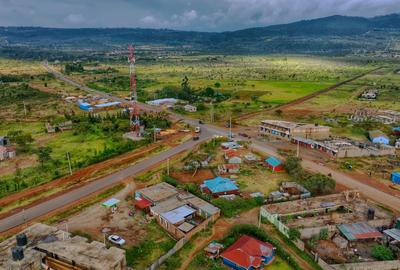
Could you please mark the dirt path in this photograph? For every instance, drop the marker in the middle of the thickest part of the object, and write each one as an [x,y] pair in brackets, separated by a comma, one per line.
[302,263]
[308,97]
[223,225]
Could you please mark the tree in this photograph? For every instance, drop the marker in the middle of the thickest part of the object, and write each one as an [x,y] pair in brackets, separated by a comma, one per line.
[217,84]
[209,92]
[294,234]
[279,112]
[382,253]
[43,154]
[323,234]
[292,166]
[319,184]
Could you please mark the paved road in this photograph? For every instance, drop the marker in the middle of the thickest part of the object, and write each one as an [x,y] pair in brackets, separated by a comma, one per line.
[207,132]
[109,180]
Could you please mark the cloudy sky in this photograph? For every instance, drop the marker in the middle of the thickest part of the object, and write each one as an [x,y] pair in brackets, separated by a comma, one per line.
[203,15]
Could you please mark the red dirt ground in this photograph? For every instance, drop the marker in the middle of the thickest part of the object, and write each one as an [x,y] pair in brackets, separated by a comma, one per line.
[200,176]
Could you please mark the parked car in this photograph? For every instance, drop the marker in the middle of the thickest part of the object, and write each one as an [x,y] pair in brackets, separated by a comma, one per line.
[197,130]
[117,240]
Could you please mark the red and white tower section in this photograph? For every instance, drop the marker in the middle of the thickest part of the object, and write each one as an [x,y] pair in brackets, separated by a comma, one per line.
[134,114]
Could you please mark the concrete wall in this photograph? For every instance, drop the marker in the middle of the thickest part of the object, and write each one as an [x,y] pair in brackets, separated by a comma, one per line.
[381,265]
[307,233]
[273,218]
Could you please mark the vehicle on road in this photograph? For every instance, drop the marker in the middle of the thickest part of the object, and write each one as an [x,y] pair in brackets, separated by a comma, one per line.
[244,135]
[196,138]
[201,122]
[197,129]
[117,240]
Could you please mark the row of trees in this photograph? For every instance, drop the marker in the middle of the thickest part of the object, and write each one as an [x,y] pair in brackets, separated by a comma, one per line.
[317,184]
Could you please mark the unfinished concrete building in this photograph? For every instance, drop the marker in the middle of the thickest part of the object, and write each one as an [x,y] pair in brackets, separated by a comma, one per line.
[179,212]
[50,248]
[287,130]
[340,148]
[311,215]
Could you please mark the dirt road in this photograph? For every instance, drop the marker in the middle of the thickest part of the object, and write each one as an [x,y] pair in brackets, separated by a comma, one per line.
[308,97]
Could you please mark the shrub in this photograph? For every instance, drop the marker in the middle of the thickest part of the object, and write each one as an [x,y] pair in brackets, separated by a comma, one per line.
[382,253]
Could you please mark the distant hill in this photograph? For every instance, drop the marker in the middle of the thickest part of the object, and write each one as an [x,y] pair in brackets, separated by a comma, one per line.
[334,34]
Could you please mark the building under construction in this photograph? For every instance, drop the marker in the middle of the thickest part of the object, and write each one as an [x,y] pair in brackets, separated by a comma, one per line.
[45,247]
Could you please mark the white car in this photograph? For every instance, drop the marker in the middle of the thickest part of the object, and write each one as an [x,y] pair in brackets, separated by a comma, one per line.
[115,239]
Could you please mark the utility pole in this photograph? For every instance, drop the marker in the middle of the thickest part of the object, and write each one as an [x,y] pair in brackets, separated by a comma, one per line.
[155,135]
[212,113]
[168,166]
[24,107]
[69,163]
[230,126]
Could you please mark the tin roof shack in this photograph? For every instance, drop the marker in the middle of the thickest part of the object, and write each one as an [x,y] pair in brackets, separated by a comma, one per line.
[248,253]
[7,152]
[229,168]
[287,130]
[289,191]
[49,246]
[179,212]
[311,215]
[359,231]
[377,136]
[340,148]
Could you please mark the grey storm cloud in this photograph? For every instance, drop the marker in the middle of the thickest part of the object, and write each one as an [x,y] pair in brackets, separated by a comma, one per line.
[202,15]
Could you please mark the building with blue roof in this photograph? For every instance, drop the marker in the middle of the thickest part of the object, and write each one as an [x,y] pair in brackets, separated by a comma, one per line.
[395,177]
[377,136]
[220,186]
[274,164]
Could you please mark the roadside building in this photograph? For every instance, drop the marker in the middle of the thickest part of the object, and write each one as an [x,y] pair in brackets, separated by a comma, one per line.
[230,145]
[7,152]
[229,168]
[83,105]
[377,136]
[340,148]
[163,101]
[286,130]
[248,253]
[4,141]
[250,158]
[396,131]
[359,231]
[220,186]
[179,212]
[47,247]
[235,160]
[190,108]
[395,177]
[274,164]
[397,144]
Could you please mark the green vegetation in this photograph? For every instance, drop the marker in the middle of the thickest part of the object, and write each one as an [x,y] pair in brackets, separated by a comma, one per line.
[231,208]
[317,184]
[382,253]
[157,243]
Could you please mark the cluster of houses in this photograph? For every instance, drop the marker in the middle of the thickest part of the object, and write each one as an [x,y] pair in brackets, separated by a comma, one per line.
[387,117]
[6,150]
[287,130]
[369,94]
[172,103]
[351,222]
[179,212]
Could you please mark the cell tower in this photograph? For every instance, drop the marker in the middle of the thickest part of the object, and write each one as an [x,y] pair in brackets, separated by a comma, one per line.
[134,119]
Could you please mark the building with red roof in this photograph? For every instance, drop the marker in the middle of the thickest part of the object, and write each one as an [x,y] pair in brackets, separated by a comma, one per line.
[248,253]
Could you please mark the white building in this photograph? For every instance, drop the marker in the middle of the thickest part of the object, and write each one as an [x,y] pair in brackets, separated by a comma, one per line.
[190,108]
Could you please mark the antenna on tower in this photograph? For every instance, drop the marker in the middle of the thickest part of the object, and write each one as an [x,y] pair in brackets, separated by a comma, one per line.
[134,120]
